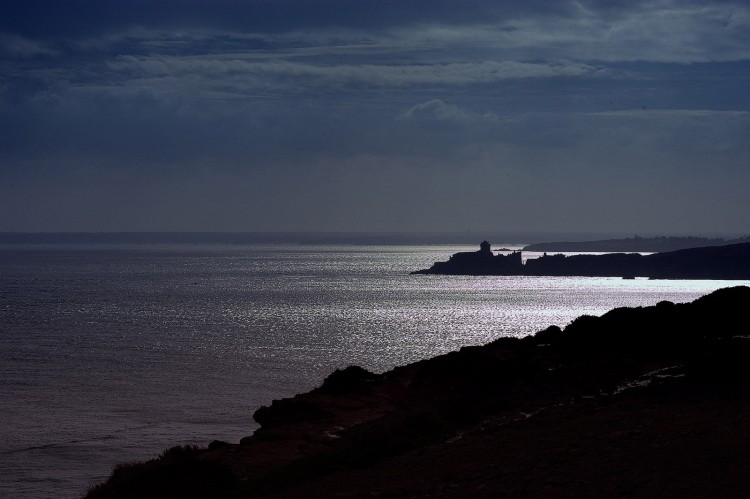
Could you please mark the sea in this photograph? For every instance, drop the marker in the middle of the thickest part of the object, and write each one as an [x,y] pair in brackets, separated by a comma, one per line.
[112,353]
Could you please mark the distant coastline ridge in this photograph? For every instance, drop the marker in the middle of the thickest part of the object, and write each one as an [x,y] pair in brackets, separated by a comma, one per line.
[714,262]
[636,243]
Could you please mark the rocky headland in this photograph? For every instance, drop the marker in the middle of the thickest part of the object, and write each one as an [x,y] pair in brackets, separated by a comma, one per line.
[643,402]
[714,262]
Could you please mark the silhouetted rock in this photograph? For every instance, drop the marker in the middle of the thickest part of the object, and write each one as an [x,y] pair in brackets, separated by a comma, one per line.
[716,262]
[482,262]
[288,411]
[346,380]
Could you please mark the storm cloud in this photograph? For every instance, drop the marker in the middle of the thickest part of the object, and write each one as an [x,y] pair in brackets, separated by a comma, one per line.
[387,116]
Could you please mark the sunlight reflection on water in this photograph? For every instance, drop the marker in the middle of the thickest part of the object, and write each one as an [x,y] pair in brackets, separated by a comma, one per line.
[113,354]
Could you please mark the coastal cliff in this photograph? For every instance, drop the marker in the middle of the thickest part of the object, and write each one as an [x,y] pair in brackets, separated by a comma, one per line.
[641,402]
[714,262]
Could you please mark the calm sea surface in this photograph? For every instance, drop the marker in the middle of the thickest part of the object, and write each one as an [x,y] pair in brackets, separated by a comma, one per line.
[112,354]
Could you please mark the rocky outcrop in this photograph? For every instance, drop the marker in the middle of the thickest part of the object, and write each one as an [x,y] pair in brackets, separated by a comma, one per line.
[634,244]
[716,262]
[482,262]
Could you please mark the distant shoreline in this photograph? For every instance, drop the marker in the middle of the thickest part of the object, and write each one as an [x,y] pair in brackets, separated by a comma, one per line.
[529,239]
[629,403]
[712,262]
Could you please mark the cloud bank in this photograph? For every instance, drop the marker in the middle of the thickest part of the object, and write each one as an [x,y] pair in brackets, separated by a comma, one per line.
[339,115]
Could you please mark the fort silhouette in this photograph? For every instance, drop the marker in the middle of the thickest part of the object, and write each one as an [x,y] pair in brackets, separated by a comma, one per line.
[715,262]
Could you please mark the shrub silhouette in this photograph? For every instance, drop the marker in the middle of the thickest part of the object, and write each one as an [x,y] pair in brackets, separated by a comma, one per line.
[178,472]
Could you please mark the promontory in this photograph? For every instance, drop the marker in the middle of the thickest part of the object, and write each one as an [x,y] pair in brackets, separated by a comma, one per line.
[714,262]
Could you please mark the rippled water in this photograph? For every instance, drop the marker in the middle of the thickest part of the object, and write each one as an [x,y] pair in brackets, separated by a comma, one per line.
[112,354]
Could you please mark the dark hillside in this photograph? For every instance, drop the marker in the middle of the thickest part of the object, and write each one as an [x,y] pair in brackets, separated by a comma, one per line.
[644,402]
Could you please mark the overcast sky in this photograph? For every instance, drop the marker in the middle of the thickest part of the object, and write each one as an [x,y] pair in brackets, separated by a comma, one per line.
[375,115]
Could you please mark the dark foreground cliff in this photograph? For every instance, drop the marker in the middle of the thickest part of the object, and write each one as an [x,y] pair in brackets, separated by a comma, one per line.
[635,244]
[646,402]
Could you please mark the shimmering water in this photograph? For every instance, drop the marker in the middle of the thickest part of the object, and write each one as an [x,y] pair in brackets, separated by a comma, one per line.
[112,354]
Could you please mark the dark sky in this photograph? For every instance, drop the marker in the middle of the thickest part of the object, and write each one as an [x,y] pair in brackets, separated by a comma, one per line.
[375,115]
